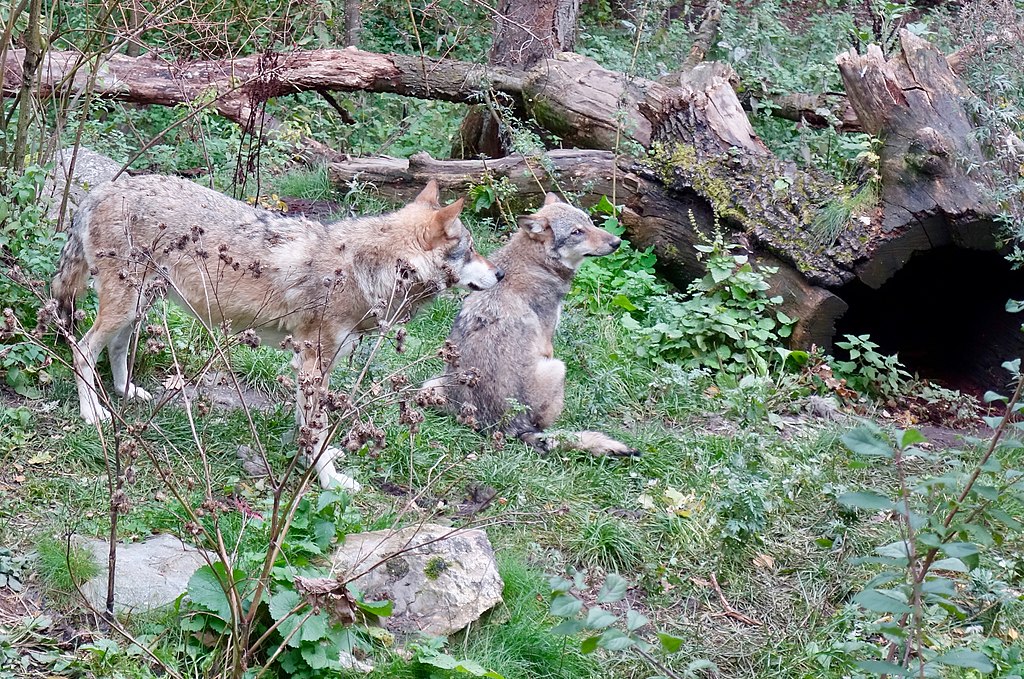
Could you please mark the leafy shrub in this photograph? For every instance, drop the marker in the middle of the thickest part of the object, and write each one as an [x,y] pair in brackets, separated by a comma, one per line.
[743,507]
[869,371]
[624,279]
[728,321]
[307,617]
[28,252]
[934,573]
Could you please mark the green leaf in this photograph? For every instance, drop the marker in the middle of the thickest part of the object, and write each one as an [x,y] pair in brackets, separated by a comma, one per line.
[669,643]
[624,302]
[568,627]
[635,621]
[559,584]
[315,656]
[205,589]
[940,586]
[959,550]
[589,645]
[952,565]
[865,442]
[974,660]
[565,606]
[614,640]
[380,608]
[315,627]
[614,589]
[883,601]
[868,499]
[282,603]
[598,618]
[604,207]
[910,437]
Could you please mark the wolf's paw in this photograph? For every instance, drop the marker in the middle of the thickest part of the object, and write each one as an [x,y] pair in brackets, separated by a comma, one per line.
[134,393]
[95,414]
[542,443]
[331,477]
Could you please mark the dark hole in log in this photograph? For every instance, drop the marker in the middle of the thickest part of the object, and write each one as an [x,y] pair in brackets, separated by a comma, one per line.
[945,314]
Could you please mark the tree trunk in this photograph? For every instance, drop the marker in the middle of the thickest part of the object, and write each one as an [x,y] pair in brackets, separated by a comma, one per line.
[525,32]
[33,54]
[914,102]
[353,22]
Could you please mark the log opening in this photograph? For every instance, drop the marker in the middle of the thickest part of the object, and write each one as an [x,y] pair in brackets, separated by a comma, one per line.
[944,314]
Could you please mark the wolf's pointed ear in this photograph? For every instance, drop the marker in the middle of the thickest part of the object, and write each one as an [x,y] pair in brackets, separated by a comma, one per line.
[533,225]
[448,218]
[430,194]
[551,199]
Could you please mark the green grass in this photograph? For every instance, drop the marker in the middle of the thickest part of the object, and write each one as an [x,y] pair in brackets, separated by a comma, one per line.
[719,490]
[64,569]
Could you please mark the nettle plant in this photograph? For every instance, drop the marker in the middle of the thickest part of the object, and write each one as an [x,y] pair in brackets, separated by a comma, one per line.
[869,371]
[728,322]
[625,279]
[933,578]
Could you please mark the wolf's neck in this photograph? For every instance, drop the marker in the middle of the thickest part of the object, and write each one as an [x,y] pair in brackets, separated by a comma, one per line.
[529,259]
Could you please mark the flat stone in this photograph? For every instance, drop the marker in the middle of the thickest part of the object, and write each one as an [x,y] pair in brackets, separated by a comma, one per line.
[150,574]
[436,588]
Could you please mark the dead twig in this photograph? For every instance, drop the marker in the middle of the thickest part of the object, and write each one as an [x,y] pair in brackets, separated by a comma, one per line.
[727,609]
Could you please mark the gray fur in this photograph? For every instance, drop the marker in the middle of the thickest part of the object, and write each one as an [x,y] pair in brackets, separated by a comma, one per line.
[505,334]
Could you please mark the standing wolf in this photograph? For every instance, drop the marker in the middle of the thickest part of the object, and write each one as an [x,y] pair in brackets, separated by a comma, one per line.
[506,332]
[240,267]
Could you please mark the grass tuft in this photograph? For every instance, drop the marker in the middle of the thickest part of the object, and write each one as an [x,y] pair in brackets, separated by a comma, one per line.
[62,570]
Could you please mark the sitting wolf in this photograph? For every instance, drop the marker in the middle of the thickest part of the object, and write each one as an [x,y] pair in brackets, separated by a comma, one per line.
[506,332]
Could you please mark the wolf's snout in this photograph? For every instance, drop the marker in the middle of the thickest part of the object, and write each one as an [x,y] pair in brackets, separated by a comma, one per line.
[499,274]
[615,243]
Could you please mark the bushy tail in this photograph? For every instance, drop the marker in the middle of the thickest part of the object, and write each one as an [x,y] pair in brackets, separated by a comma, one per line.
[593,442]
[72,275]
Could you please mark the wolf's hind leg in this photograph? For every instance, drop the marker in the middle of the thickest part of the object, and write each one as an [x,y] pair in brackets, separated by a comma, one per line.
[547,399]
[117,352]
[109,322]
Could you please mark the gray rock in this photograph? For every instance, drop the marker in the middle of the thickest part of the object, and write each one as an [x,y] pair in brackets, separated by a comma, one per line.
[150,574]
[91,170]
[437,588]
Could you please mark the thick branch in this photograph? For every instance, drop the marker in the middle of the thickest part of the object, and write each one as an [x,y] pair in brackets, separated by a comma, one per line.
[705,37]
[572,96]
[235,84]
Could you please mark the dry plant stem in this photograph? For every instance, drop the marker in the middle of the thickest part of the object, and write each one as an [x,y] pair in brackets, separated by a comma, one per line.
[229,587]
[5,41]
[112,622]
[728,609]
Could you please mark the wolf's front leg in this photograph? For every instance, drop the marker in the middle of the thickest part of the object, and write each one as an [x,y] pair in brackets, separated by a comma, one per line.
[314,428]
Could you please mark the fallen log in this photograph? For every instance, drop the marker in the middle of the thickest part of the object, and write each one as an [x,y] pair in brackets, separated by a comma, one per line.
[671,222]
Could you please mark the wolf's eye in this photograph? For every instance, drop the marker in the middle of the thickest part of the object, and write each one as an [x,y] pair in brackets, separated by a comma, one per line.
[577,232]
